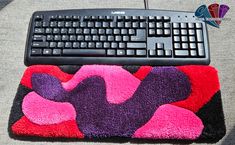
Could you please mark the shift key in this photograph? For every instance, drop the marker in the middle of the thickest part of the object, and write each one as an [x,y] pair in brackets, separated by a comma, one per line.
[136,45]
[39,44]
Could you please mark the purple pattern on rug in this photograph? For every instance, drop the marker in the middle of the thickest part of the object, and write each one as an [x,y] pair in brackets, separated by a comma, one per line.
[98,118]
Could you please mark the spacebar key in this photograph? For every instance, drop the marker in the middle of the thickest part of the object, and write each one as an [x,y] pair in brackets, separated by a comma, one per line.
[84,52]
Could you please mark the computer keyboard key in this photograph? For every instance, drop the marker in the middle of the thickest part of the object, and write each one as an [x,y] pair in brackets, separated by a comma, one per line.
[136,45]
[190,25]
[112,24]
[183,31]
[48,30]
[166,18]
[152,25]
[68,45]
[47,51]
[114,45]
[76,45]
[111,52]
[68,17]
[83,45]
[36,52]
[160,52]
[152,32]
[193,52]
[159,24]
[183,25]
[60,44]
[127,24]
[103,38]
[38,38]
[121,52]
[45,24]
[91,44]
[168,53]
[72,37]
[40,44]
[116,31]
[49,37]
[184,38]
[80,38]
[110,38]
[152,52]
[98,45]
[177,45]
[142,18]
[199,35]
[75,24]
[65,37]
[185,45]
[176,32]
[191,32]
[159,32]
[39,30]
[107,45]
[71,31]
[84,52]
[64,31]
[52,44]
[61,24]
[83,24]
[166,25]
[141,52]
[104,25]
[192,39]
[159,45]
[181,53]
[198,25]
[109,18]
[76,17]
[109,31]
[118,38]
[120,24]
[57,37]
[142,25]
[175,25]
[87,38]
[192,45]
[38,17]
[167,32]
[130,52]
[135,18]
[56,52]
[131,31]
[53,24]
[122,45]
[176,38]
[126,38]
[200,49]
[135,25]
[61,17]
[140,35]
[151,18]
[38,24]
[159,18]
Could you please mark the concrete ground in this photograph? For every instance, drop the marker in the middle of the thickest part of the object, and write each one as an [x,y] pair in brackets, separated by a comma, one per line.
[14,19]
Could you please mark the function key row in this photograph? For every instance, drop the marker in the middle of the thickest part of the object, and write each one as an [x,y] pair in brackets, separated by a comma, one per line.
[105,18]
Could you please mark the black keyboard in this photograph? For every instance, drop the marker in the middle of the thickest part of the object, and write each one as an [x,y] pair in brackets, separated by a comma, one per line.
[116,36]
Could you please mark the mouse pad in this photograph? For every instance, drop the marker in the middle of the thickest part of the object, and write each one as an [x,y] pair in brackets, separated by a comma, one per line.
[105,101]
